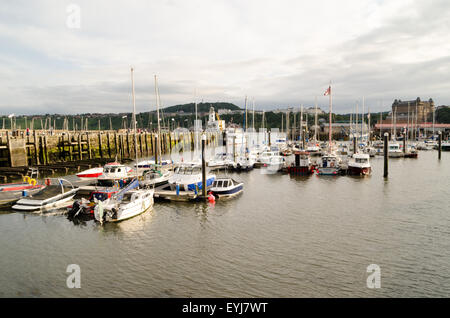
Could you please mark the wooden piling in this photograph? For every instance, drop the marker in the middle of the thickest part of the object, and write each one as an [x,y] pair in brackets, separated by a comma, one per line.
[203,167]
[439,144]
[386,154]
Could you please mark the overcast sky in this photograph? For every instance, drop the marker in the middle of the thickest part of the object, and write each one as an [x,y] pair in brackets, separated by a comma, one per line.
[280,53]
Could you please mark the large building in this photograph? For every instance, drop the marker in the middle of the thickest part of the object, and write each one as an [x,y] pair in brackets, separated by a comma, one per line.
[402,110]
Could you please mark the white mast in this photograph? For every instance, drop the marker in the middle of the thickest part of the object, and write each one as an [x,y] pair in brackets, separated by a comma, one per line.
[158,147]
[253,115]
[134,121]
[315,122]
[362,120]
[245,114]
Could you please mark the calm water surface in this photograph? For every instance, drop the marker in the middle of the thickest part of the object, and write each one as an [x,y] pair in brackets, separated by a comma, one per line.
[283,237]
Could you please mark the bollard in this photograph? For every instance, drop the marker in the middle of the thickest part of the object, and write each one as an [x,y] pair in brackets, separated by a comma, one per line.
[386,152]
[439,145]
[203,167]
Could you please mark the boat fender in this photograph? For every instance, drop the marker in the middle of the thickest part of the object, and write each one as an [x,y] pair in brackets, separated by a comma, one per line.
[47,182]
[211,198]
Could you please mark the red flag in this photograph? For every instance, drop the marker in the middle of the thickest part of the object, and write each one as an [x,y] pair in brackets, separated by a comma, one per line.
[328,91]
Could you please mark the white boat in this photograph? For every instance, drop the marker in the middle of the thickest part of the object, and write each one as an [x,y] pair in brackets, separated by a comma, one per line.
[147,164]
[188,177]
[52,197]
[264,157]
[243,163]
[394,150]
[226,187]
[89,174]
[445,146]
[359,164]
[275,164]
[220,160]
[314,149]
[329,165]
[114,172]
[133,203]
[155,177]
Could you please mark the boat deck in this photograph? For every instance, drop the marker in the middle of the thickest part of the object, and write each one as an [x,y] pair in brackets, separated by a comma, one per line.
[49,192]
[164,192]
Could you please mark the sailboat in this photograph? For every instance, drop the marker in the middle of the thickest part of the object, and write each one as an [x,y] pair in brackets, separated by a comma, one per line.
[329,163]
[131,200]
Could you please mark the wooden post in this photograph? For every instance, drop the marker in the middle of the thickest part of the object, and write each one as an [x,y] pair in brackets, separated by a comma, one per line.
[46,150]
[80,148]
[70,148]
[203,167]
[128,146]
[36,148]
[109,144]
[140,144]
[100,145]
[88,139]
[439,144]
[115,145]
[386,154]
[146,142]
[404,143]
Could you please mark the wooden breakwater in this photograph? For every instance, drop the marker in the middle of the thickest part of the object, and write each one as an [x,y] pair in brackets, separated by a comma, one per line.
[60,149]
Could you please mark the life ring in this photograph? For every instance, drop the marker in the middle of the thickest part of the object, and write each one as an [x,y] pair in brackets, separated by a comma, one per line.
[332,164]
[26,179]
[32,182]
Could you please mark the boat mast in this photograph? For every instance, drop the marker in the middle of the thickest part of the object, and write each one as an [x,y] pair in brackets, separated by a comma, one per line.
[331,109]
[245,130]
[407,126]
[158,146]
[301,125]
[362,121]
[433,120]
[253,115]
[134,121]
[315,122]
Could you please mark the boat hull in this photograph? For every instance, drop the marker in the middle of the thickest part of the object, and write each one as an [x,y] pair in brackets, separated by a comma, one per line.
[301,170]
[328,171]
[229,192]
[359,171]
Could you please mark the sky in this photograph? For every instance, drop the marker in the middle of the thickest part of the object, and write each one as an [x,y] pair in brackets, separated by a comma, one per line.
[71,57]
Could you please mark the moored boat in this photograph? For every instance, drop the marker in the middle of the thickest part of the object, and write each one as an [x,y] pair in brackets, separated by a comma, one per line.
[329,165]
[52,197]
[226,187]
[302,164]
[359,164]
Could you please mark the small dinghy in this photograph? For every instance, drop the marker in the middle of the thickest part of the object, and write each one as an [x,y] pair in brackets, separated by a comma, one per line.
[52,197]
[155,177]
[226,187]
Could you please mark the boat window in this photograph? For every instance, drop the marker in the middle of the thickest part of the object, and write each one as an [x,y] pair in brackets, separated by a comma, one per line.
[361,160]
[118,170]
[214,184]
[196,170]
[225,184]
[219,184]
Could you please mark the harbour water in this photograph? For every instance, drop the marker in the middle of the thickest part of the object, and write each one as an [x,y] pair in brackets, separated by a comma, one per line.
[283,237]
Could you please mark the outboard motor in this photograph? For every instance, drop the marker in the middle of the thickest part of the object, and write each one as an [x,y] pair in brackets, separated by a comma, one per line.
[76,208]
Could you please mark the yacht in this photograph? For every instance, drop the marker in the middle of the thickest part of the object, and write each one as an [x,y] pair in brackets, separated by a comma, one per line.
[243,163]
[314,149]
[11,192]
[359,164]
[275,164]
[219,161]
[188,177]
[113,172]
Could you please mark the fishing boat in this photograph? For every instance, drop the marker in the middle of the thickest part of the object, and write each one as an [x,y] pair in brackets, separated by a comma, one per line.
[127,203]
[11,192]
[394,150]
[85,207]
[89,174]
[226,187]
[188,177]
[359,164]
[329,165]
[52,197]
[302,164]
